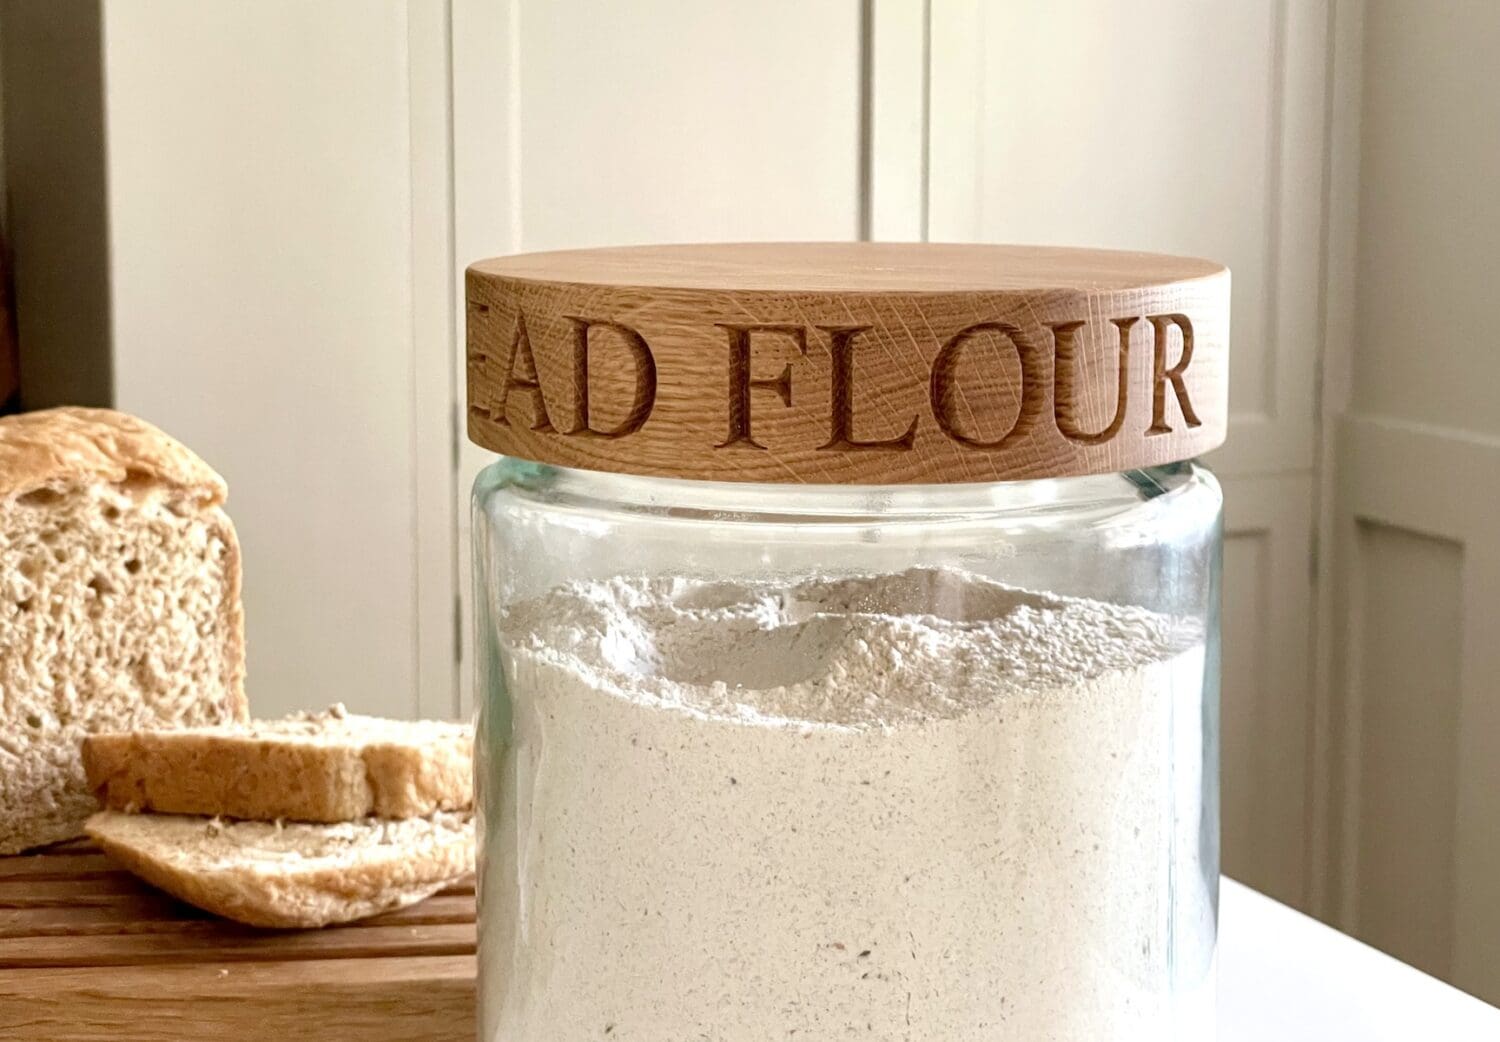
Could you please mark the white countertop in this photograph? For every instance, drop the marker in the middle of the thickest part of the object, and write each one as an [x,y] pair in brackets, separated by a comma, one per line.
[1284,977]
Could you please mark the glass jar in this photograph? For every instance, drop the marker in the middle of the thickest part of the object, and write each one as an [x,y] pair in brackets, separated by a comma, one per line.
[932,761]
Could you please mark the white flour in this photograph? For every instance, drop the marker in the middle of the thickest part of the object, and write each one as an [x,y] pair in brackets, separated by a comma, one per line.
[946,827]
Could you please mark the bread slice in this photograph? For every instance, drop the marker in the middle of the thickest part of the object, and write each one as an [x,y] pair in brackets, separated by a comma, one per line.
[291,875]
[327,767]
[119,604]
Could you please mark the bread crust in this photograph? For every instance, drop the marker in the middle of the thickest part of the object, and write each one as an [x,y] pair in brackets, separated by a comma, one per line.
[254,773]
[51,448]
[234,618]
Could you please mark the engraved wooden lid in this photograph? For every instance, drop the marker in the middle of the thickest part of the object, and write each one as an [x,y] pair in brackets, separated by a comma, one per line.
[848,363]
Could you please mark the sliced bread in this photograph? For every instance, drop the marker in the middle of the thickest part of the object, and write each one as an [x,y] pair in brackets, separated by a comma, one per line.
[291,875]
[119,604]
[320,767]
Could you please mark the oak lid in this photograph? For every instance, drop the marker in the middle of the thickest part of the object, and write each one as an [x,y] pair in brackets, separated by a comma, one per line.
[862,363]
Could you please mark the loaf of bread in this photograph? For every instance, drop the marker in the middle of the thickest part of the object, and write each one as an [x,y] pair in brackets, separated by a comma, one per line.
[291,875]
[328,767]
[119,604]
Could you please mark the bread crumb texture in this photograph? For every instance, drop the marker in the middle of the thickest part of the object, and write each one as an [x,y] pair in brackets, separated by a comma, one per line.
[119,603]
[284,874]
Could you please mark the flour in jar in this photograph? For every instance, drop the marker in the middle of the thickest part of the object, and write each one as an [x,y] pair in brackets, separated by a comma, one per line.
[923,806]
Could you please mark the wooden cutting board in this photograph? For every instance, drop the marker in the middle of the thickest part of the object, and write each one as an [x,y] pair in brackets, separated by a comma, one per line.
[88,952]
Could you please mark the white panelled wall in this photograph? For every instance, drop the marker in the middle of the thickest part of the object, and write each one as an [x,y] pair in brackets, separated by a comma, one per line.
[1186,128]
[292,191]
[714,122]
[1412,663]
[260,200]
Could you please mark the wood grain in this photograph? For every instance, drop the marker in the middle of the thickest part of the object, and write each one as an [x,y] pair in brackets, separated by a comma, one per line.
[339,1000]
[854,363]
[88,952]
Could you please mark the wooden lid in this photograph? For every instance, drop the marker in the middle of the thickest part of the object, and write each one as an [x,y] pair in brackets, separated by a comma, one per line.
[848,363]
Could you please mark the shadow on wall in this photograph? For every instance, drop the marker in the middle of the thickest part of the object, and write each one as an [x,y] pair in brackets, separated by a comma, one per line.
[10,356]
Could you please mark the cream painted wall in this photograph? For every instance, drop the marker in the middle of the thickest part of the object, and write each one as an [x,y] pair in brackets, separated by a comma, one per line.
[746,127]
[1412,712]
[1201,129]
[1429,228]
[260,238]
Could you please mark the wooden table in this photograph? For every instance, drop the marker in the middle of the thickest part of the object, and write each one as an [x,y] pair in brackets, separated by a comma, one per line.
[88,954]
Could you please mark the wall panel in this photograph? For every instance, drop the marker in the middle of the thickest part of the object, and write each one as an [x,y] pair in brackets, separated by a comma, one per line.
[1185,128]
[1408,678]
[1414,512]
[1417,706]
[1169,125]
[1266,716]
[260,209]
[587,124]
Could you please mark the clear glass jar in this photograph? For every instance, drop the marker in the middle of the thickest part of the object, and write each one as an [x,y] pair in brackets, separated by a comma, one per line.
[923,762]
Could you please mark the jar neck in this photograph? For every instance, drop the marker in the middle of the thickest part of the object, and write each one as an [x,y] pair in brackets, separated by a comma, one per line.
[562,485]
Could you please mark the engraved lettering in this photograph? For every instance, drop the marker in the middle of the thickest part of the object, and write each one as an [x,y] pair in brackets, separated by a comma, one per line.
[528,381]
[643,363]
[944,387]
[1161,374]
[1065,382]
[841,404]
[741,383]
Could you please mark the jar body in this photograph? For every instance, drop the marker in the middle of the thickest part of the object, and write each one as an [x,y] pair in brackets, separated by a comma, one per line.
[908,762]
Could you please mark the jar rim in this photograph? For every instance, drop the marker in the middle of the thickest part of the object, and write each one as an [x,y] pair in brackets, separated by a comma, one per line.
[1105,494]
